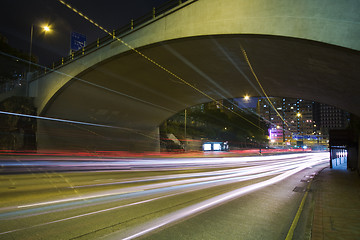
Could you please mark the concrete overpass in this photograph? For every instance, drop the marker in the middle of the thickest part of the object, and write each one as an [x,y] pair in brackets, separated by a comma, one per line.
[301,49]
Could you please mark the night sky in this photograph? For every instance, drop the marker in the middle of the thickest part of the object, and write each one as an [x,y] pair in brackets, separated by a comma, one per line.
[17,16]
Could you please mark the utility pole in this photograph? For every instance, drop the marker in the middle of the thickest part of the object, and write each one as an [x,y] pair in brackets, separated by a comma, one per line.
[30,53]
[185,130]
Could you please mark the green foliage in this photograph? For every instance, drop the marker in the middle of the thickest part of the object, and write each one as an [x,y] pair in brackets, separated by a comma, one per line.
[17,133]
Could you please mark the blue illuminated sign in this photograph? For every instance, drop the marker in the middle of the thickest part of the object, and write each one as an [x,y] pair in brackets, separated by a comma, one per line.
[78,41]
[309,137]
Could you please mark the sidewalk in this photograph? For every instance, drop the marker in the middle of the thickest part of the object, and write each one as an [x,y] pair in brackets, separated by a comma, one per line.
[337,205]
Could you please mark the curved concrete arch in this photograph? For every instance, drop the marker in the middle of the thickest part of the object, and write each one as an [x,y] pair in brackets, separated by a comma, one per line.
[333,22]
[200,41]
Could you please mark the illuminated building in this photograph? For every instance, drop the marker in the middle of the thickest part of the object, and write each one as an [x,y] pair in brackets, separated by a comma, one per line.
[329,117]
[302,122]
[294,124]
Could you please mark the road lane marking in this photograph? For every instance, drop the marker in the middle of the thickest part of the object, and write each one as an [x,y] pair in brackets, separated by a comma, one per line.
[253,171]
[290,234]
[207,204]
[90,213]
[104,210]
[72,199]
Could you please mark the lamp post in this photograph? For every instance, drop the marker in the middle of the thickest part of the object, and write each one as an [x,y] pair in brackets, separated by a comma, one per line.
[46,28]
[300,127]
[31,39]
[247,99]
[185,118]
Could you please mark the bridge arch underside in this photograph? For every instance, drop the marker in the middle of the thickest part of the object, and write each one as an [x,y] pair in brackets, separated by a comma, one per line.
[133,95]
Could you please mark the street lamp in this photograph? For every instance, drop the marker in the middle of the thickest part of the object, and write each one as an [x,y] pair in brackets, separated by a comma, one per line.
[300,128]
[246,97]
[185,135]
[46,28]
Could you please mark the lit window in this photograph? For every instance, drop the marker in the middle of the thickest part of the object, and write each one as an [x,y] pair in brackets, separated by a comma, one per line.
[207,147]
[217,146]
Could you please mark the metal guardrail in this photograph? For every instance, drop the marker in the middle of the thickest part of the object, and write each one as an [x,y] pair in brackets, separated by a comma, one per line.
[108,38]
[338,155]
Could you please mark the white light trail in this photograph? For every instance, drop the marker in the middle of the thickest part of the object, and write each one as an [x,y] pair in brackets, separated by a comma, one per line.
[282,170]
[222,175]
[86,214]
[75,122]
[56,119]
[196,208]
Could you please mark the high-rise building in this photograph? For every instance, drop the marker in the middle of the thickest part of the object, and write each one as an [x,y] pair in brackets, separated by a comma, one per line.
[272,112]
[299,122]
[329,117]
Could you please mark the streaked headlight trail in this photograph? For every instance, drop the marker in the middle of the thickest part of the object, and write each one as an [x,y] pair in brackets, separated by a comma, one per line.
[158,182]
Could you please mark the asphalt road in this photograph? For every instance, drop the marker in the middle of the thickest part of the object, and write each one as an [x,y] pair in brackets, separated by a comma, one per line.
[184,198]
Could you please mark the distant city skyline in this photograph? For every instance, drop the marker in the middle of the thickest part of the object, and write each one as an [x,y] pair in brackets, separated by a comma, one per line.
[302,118]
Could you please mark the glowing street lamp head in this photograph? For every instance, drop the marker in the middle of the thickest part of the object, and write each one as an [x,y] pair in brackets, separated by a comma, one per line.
[246,97]
[46,28]
[298,114]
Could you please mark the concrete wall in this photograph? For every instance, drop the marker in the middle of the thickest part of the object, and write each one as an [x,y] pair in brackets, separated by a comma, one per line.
[358,155]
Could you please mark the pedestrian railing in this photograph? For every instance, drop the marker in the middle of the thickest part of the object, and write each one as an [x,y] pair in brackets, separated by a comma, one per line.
[338,155]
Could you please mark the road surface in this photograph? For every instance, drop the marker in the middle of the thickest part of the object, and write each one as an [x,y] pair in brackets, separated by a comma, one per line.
[167,198]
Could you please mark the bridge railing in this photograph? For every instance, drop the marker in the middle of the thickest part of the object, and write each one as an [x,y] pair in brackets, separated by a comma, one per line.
[108,38]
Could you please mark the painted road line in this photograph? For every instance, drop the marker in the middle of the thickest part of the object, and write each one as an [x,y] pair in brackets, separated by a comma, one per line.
[290,234]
